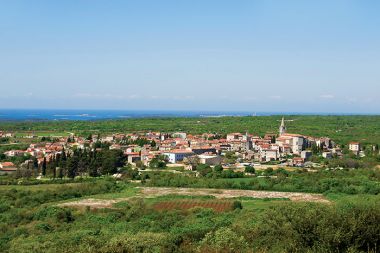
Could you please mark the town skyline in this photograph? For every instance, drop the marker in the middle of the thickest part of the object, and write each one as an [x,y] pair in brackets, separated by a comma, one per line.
[156,148]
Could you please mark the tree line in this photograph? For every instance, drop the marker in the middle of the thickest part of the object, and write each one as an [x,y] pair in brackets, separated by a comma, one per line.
[79,162]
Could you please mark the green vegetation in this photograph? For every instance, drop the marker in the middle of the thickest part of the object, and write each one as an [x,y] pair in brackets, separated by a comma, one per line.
[205,170]
[31,221]
[354,181]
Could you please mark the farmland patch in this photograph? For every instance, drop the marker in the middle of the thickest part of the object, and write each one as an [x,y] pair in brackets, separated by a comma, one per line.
[216,205]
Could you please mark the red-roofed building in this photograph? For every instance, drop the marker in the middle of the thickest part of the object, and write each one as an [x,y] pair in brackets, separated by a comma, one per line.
[12,153]
[7,167]
[298,161]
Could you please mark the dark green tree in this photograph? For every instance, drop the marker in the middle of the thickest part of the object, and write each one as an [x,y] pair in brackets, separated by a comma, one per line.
[44,166]
[72,166]
[249,169]
[218,168]
[35,165]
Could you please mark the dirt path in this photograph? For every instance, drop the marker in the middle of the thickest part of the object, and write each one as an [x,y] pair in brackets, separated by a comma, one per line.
[151,192]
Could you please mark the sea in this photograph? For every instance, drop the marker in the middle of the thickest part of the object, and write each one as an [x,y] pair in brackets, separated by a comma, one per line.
[84,114]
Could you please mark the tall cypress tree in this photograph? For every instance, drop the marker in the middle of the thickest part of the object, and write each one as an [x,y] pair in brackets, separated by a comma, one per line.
[35,166]
[63,156]
[62,160]
[72,164]
[54,166]
[60,174]
[44,167]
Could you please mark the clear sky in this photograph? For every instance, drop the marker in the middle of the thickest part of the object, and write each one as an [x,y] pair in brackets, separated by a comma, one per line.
[254,55]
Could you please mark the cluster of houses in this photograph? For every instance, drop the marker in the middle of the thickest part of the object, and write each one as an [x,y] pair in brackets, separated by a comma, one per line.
[5,134]
[179,147]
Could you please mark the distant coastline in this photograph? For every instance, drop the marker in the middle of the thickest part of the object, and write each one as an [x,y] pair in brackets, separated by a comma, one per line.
[88,114]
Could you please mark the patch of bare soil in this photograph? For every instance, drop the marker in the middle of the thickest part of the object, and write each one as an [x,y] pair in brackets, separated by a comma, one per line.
[216,205]
[92,203]
[151,192]
[224,193]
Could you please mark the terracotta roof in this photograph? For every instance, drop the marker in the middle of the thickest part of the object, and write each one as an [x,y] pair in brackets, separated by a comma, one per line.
[178,151]
[132,153]
[7,164]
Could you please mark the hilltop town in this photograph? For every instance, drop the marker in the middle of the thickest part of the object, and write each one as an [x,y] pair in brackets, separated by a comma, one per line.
[234,151]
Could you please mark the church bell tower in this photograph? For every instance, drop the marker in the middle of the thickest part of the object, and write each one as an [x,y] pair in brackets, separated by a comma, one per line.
[282,127]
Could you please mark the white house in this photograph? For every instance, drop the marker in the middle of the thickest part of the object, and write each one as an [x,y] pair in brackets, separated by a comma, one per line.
[354,147]
[175,156]
[180,135]
[295,141]
[306,154]
[269,155]
[12,153]
[327,155]
[234,137]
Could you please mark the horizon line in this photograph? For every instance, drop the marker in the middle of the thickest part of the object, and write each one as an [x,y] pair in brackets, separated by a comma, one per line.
[252,113]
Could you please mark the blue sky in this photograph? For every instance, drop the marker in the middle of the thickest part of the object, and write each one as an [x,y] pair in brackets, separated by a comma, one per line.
[304,56]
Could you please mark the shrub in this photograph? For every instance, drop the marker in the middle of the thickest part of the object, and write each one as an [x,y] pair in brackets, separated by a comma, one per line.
[223,240]
[54,212]
[237,205]
[141,242]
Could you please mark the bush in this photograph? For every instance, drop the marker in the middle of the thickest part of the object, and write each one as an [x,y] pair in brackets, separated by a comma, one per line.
[4,207]
[223,240]
[56,213]
[250,169]
[237,205]
[321,228]
[141,242]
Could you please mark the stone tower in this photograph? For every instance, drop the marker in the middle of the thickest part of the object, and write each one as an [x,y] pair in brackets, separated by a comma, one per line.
[282,127]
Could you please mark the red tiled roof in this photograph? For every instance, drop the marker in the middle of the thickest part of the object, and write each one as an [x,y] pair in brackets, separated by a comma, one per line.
[7,164]
[179,151]
[132,153]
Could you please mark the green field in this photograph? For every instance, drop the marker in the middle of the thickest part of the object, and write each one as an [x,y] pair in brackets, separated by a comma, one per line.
[20,134]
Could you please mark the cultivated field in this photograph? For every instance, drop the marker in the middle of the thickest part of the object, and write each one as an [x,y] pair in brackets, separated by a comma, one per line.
[152,192]
[224,193]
